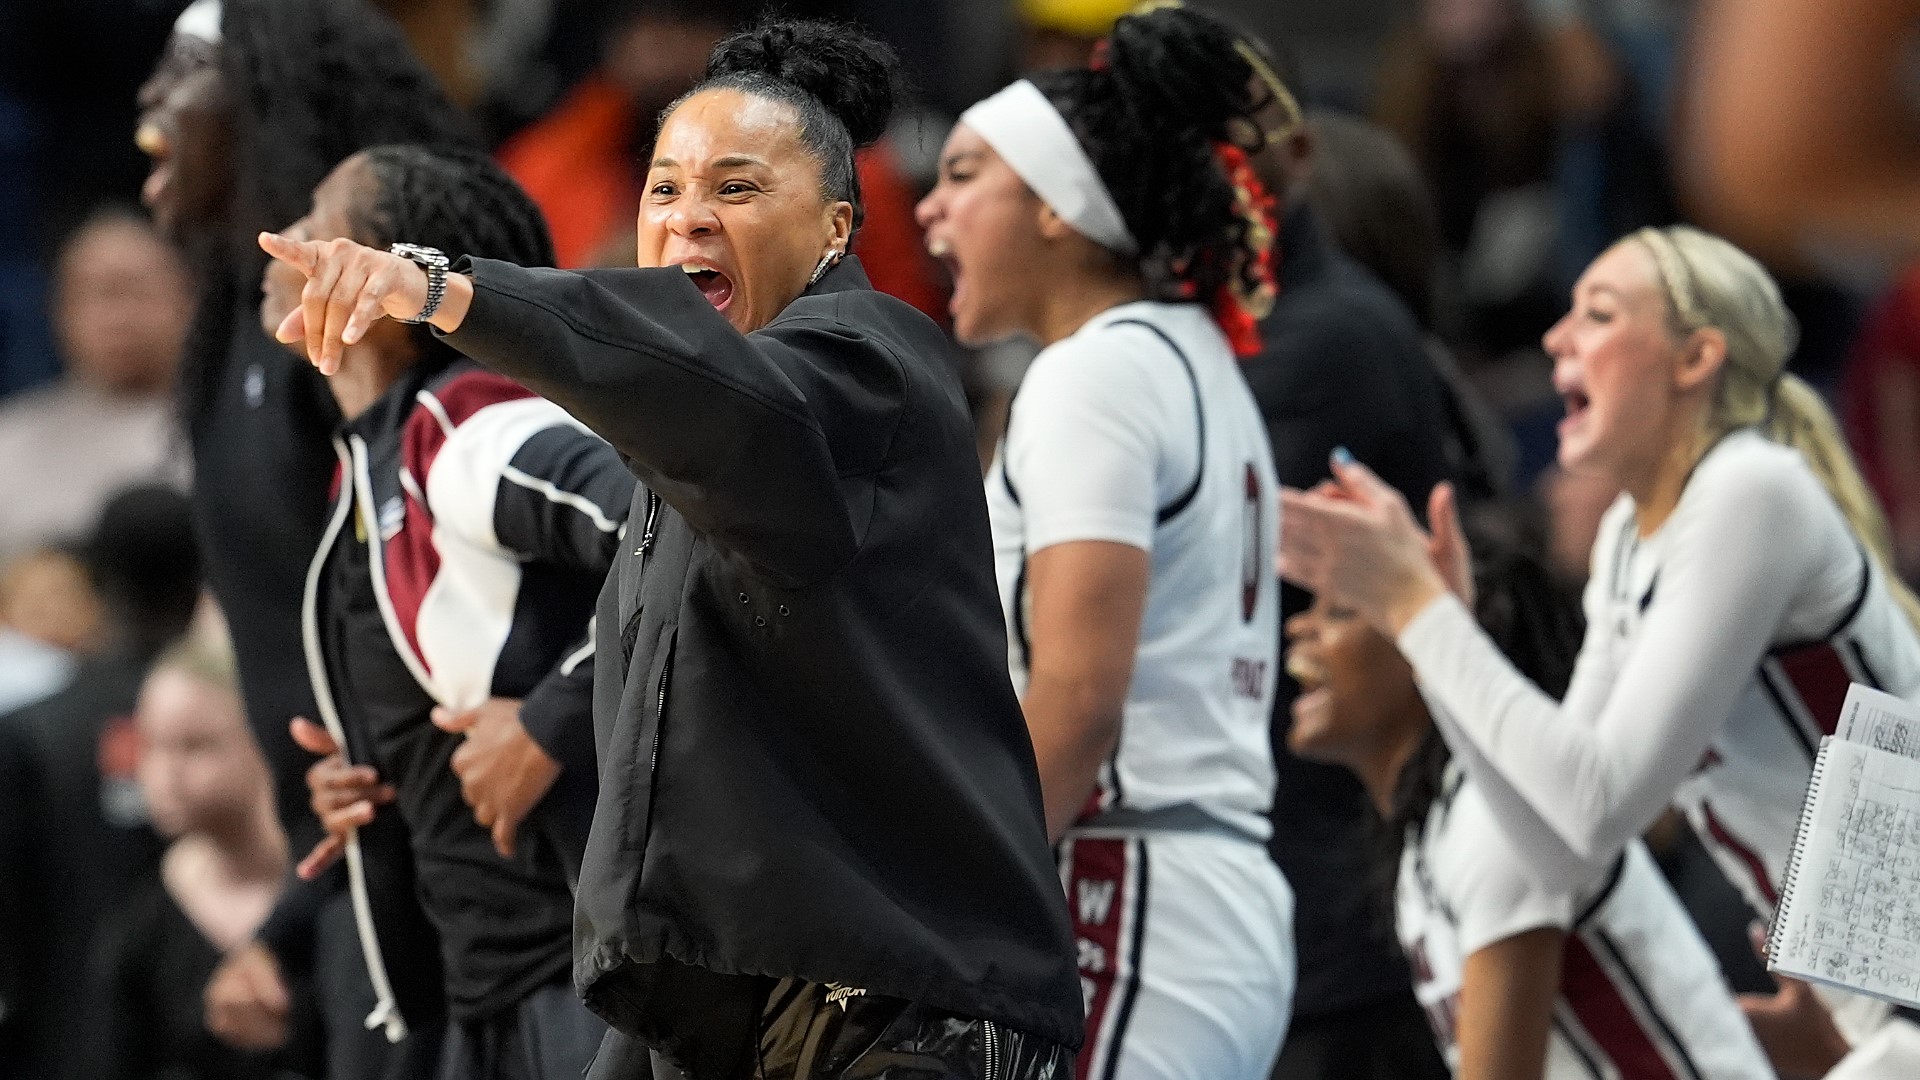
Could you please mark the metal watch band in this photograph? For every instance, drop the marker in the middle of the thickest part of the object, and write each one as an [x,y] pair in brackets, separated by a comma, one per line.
[435,263]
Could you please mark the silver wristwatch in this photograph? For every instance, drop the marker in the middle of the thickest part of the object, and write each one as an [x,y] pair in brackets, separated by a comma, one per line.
[435,263]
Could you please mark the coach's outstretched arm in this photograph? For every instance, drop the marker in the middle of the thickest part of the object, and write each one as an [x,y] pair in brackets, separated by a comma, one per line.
[743,434]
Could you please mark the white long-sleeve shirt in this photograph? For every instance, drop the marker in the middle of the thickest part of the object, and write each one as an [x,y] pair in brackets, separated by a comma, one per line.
[1717,651]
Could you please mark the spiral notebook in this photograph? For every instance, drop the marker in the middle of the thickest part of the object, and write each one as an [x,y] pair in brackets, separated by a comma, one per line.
[1849,912]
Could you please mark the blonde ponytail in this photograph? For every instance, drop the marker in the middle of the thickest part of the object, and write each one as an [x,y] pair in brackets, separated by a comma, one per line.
[1800,419]
[1711,283]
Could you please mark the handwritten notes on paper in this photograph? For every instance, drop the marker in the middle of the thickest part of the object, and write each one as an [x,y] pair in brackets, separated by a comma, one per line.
[1850,912]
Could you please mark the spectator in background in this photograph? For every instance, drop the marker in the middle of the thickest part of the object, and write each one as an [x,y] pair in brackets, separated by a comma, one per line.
[1614,61]
[1063,33]
[67,73]
[1472,89]
[207,790]
[585,163]
[443,34]
[252,104]
[74,837]
[1370,193]
[1344,364]
[121,303]
[48,614]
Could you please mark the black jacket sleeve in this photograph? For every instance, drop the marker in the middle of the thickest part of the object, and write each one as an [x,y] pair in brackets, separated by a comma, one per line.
[742,434]
[558,712]
[563,500]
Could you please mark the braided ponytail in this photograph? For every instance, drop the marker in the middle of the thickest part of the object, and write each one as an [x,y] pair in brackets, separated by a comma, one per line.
[455,199]
[1166,115]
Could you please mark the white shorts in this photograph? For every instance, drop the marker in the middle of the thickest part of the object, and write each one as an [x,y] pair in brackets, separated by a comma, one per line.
[1186,954]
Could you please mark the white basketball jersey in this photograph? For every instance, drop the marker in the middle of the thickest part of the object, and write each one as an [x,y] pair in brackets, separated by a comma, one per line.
[1641,997]
[1744,796]
[1139,429]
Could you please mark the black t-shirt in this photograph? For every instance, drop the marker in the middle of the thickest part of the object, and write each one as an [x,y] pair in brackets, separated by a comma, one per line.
[150,975]
[505,926]
[262,459]
[74,840]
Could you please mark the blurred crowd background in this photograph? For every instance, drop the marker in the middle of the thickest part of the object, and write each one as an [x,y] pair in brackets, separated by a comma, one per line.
[1537,131]
[1513,138]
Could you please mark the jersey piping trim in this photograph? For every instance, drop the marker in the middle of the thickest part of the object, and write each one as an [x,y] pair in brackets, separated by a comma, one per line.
[1606,892]
[1185,499]
[1846,618]
[1577,1041]
[1860,658]
[1647,1002]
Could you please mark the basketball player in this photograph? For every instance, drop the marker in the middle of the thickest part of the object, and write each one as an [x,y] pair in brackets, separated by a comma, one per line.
[1738,584]
[1519,976]
[1090,209]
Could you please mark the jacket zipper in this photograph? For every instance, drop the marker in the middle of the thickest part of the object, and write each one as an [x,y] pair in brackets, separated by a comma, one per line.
[660,716]
[630,632]
[646,531]
[666,669]
[990,1035]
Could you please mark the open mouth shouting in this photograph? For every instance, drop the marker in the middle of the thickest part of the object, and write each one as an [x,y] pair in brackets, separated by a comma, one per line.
[1578,405]
[717,287]
[1314,704]
[942,251]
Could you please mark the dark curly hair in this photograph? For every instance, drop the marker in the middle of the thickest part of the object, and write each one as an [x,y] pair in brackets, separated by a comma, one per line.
[311,82]
[456,199]
[842,83]
[1166,89]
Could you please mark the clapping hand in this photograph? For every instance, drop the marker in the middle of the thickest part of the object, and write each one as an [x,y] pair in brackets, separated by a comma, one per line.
[1355,539]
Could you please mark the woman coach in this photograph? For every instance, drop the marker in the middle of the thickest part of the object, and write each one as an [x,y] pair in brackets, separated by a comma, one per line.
[819,837]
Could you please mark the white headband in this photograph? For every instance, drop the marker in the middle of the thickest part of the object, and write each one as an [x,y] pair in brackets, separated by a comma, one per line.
[200,20]
[1033,138]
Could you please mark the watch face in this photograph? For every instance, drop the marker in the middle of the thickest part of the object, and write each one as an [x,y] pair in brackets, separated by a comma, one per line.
[419,254]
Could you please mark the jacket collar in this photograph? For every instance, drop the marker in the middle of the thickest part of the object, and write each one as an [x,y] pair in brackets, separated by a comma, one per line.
[390,410]
[847,275]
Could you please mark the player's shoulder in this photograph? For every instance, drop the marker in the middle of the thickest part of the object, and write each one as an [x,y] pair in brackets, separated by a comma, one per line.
[1747,465]
[1493,891]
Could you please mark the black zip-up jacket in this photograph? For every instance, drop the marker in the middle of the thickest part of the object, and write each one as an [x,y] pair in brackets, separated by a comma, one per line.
[812,760]
[472,527]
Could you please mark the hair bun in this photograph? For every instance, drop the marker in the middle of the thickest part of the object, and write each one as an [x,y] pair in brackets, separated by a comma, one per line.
[854,75]
[1171,60]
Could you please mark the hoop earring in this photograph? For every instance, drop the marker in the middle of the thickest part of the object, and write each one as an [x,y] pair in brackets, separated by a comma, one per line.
[827,261]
